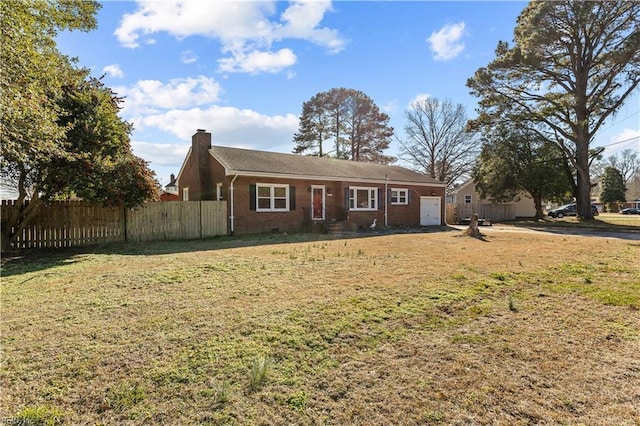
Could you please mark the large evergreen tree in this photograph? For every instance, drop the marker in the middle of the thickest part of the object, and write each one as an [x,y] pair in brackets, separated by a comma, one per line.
[613,189]
[344,123]
[572,66]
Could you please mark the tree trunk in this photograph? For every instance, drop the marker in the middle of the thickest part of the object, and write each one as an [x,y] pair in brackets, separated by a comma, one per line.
[473,230]
[537,202]
[18,220]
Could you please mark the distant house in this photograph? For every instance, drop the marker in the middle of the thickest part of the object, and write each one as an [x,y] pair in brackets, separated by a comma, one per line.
[274,192]
[464,201]
[170,192]
[634,203]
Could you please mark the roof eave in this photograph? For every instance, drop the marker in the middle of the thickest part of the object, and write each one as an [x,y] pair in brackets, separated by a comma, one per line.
[329,178]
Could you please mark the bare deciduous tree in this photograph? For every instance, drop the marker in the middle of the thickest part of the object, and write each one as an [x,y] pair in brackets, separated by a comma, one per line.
[627,163]
[437,143]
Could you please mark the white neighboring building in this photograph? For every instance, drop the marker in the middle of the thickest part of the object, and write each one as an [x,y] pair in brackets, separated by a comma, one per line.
[464,201]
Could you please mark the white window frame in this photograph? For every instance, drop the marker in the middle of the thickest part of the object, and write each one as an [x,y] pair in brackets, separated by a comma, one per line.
[467,199]
[185,194]
[401,196]
[272,197]
[372,198]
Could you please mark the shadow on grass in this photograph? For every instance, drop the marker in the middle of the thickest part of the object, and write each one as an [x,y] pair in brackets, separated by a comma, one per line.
[573,226]
[32,260]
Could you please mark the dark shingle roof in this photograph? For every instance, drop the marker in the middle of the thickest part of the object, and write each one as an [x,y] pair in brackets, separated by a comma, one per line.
[249,162]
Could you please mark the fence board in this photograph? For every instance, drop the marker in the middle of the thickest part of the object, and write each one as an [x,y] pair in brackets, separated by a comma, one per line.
[76,223]
[494,212]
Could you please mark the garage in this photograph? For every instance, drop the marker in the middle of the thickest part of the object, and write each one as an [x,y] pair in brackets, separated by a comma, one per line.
[430,211]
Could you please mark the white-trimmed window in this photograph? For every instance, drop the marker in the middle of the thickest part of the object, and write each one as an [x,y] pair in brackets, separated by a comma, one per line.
[467,199]
[399,196]
[272,197]
[363,198]
[185,194]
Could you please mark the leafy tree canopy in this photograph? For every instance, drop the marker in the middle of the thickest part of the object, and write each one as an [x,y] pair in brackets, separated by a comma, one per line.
[513,160]
[572,65]
[60,130]
[344,123]
[613,189]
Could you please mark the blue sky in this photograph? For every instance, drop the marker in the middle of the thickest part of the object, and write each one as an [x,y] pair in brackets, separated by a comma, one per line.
[242,69]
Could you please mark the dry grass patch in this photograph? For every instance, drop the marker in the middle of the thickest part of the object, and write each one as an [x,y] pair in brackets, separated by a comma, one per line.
[398,329]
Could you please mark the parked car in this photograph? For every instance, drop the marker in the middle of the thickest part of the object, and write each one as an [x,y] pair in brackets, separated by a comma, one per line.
[569,210]
[630,210]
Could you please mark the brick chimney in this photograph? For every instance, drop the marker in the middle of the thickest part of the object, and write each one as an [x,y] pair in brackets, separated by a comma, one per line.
[200,146]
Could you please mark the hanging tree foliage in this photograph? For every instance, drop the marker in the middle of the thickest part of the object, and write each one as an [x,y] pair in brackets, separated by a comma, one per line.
[572,66]
[60,130]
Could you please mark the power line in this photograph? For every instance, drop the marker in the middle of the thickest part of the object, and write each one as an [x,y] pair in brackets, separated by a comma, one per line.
[622,141]
[620,121]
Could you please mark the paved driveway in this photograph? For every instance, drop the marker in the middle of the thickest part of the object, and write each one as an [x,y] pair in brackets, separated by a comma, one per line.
[581,232]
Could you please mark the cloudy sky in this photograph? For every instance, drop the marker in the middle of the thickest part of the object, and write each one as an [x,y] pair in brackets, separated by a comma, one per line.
[242,69]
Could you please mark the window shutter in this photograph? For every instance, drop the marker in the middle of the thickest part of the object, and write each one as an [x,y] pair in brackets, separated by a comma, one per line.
[252,197]
[346,198]
[292,197]
[388,200]
[380,205]
[409,196]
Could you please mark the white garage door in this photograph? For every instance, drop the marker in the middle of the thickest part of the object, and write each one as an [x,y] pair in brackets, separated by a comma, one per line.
[430,212]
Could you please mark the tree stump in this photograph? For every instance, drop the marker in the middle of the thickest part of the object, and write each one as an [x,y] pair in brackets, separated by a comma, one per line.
[473,230]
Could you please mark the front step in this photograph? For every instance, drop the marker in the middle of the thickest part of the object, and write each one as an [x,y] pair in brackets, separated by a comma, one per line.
[341,227]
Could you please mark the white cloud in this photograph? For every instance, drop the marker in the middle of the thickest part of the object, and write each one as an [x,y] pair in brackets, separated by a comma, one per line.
[257,62]
[188,57]
[246,30]
[419,99]
[626,139]
[160,154]
[150,96]
[114,71]
[390,107]
[229,125]
[447,42]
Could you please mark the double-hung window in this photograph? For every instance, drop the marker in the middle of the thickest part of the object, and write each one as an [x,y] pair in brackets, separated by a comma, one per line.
[399,196]
[363,198]
[272,198]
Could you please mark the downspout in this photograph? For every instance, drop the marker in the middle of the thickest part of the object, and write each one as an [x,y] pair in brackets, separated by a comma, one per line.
[231,212]
[386,201]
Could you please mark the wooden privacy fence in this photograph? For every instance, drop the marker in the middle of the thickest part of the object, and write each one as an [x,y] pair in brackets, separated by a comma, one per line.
[494,212]
[76,223]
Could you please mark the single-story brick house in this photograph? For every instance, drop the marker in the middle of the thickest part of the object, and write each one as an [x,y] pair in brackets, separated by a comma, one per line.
[267,191]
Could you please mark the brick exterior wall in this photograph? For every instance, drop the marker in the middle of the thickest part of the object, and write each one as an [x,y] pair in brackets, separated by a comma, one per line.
[196,174]
[247,221]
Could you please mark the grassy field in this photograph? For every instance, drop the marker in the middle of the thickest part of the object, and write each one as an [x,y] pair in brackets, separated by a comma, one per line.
[405,329]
